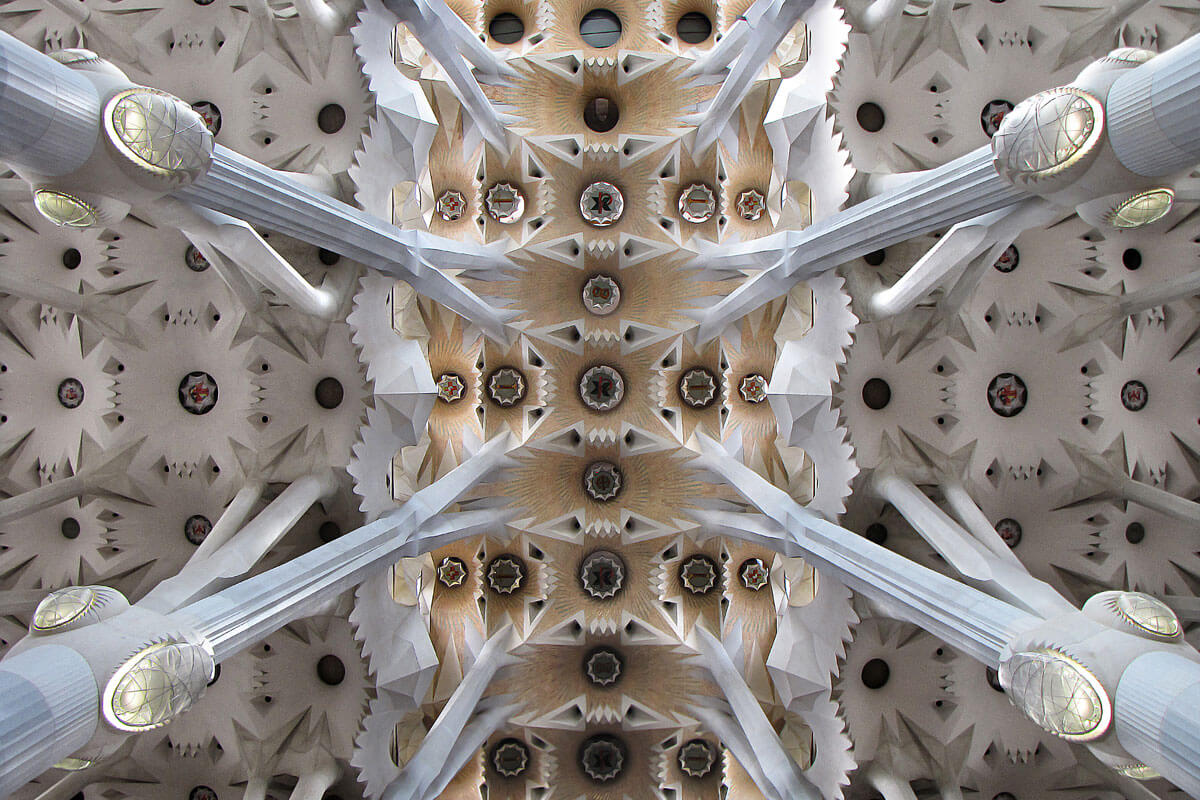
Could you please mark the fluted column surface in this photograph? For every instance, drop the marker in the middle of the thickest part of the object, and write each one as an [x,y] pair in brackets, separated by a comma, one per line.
[49,114]
[1157,713]
[49,706]
[1154,113]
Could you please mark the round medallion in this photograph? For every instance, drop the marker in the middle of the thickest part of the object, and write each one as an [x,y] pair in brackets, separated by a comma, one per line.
[753,388]
[194,259]
[197,528]
[506,386]
[159,133]
[754,574]
[209,114]
[1134,395]
[602,758]
[1007,395]
[601,204]
[1058,693]
[751,205]
[451,572]
[602,481]
[1010,531]
[602,574]
[1136,770]
[510,757]
[156,684]
[451,205]
[1009,260]
[698,574]
[602,388]
[505,203]
[70,393]
[603,666]
[450,387]
[64,209]
[696,758]
[1047,134]
[198,393]
[697,203]
[505,574]
[698,388]
[62,606]
[601,295]
[202,793]
[992,115]
[1148,614]
[1142,208]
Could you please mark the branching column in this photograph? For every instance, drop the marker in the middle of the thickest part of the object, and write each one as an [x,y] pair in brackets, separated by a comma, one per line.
[1141,679]
[463,725]
[53,679]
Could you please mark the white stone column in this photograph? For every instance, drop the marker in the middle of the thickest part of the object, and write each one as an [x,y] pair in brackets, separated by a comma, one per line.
[249,191]
[1154,113]
[49,113]
[745,49]
[962,244]
[108,312]
[460,729]
[1111,311]
[313,784]
[244,613]
[214,567]
[999,573]
[96,479]
[245,248]
[48,711]
[973,622]
[778,776]
[965,188]
[450,42]
[1157,716]
[1096,473]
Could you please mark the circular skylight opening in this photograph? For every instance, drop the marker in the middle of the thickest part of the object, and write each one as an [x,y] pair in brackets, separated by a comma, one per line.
[600,28]
[506,28]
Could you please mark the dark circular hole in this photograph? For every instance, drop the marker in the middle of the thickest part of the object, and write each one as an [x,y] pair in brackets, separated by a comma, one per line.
[329,393]
[331,670]
[876,393]
[331,118]
[600,28]
[876,532]
[993,679]
[601,114]
[694,27]
[216,674]
[1135,532]
[875,673]
[1132,258]
[506,28]
[870,117]
[327,257]
[875,257]
[329,530]
[69,528]
[71,258]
